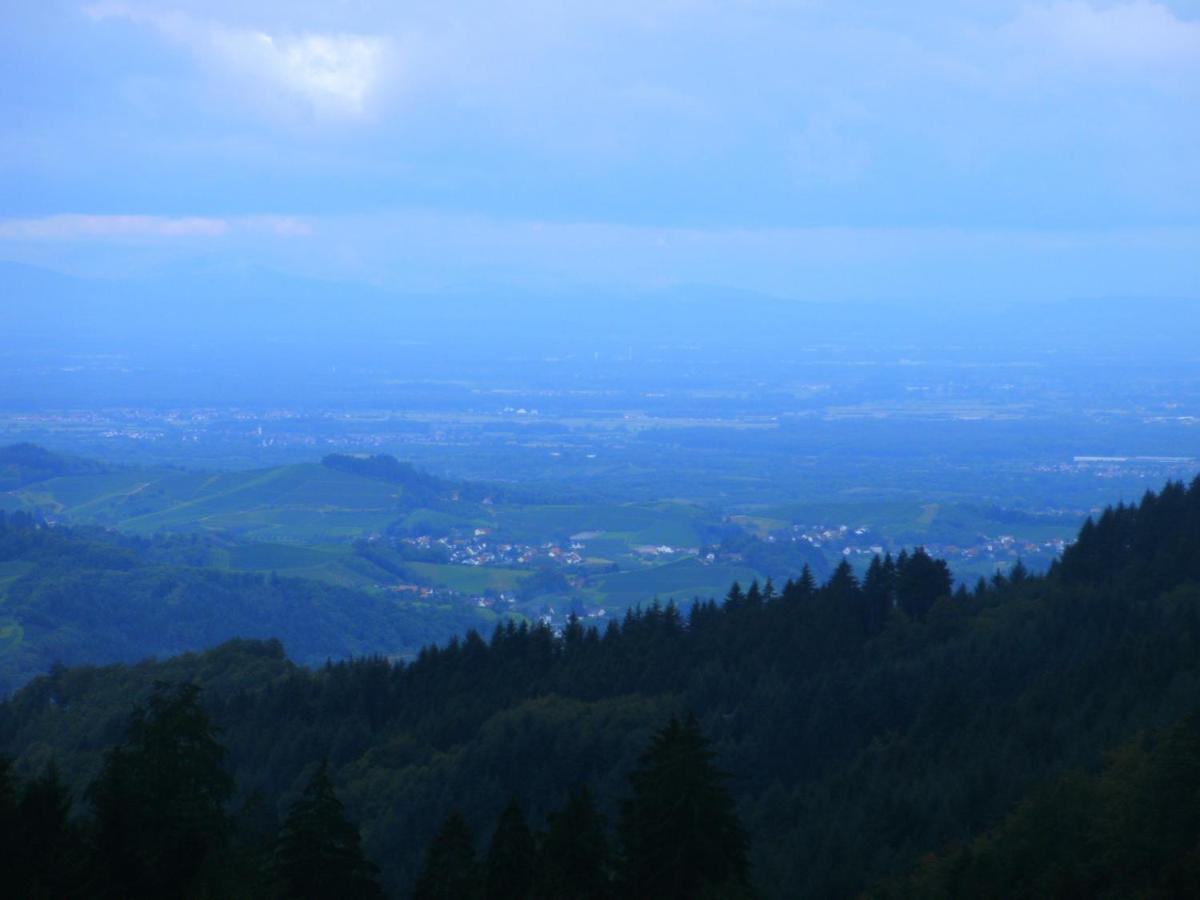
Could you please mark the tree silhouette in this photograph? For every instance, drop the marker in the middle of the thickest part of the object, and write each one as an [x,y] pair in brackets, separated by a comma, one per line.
[48,848]
[680,835]
[450,871]
[508,869]
[319,854]
[920,581]
[159,801]
[574,860]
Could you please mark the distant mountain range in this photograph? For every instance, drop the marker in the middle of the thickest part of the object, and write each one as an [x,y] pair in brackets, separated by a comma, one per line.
[184,313]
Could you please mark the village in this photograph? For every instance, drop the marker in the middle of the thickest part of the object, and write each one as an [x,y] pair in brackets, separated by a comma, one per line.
[863,542]
[478,550]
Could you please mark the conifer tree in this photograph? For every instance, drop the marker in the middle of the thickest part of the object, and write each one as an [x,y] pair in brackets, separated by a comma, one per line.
[842,613]
[159,801]
[574,860]
[450,871]
[680,835]
[735,599]
[878,587]
[806,584]
[318,855]
[508,869]
[920,582]
[49,851]
[1019,573]
[8,815]
[754,597]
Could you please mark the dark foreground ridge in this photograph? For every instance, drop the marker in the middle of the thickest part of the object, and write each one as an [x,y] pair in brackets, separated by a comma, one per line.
[1036,735]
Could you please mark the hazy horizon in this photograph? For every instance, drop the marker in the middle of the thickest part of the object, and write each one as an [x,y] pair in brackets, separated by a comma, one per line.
[1007,151]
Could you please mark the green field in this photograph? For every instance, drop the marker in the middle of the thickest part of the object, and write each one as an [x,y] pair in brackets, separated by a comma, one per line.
[469,579]
[667,522]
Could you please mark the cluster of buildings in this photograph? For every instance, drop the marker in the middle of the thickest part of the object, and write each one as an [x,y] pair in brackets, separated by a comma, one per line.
[478,550]
[652,551]
[861,542]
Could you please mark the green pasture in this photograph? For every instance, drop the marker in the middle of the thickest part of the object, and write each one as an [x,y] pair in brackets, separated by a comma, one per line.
[468,579]
[668,522]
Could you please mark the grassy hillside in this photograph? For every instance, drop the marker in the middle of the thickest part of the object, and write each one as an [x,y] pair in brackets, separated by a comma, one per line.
[285,503]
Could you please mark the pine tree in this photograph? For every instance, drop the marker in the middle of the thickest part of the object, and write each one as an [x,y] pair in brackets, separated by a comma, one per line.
[878,590]
[318,854]
[508,869]
[49,850]
[920,582]
[8,815]
[159,801]
[754,597]
[574,860]
[802,589]
[679,832]
[842,610]
[806,584]
[449,871]
[735,599]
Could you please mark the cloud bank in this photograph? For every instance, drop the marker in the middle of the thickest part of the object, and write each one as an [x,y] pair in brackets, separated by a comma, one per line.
[332,74]
[1138,33]
[77,227]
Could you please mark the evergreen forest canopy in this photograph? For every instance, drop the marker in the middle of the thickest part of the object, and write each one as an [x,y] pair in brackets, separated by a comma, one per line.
[1033,736]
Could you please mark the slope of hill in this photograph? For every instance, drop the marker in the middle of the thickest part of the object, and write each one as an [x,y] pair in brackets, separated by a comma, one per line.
[22,464]
[302,520]
[71,596]
[864,724]
[1127,831]
[294,502]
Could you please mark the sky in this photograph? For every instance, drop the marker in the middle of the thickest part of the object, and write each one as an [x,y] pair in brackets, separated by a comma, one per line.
[844,150]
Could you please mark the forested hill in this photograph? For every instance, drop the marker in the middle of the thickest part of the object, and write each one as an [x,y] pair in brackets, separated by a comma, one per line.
[22,464]
[422,487]
[863,725]
[74,595]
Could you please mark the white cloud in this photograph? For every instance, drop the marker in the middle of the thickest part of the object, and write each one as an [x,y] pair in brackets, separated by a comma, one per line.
[331,73]
[1139,33]
[76,226]
[334,73]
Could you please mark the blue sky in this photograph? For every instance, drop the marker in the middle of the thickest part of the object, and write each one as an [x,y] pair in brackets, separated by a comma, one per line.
[841,150]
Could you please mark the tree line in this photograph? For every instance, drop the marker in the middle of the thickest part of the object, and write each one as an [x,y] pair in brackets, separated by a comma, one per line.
[159,823]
